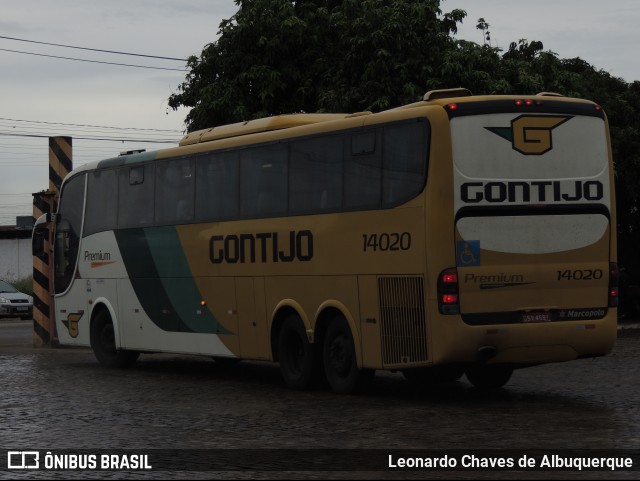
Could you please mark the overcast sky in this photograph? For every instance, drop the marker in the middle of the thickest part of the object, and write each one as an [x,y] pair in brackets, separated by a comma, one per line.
[42,96]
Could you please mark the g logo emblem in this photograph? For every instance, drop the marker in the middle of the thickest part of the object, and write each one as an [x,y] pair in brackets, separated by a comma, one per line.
[531,134]
[71,322]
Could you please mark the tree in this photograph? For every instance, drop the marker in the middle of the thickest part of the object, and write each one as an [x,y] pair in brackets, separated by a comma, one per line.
[486,35]
[249,72]
[281,56]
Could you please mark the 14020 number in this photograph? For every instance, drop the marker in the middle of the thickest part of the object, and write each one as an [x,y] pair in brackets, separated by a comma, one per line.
[393,241]
[580,275]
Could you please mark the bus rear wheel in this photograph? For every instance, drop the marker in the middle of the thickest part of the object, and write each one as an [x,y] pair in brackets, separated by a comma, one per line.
[339,357]
[295,354]
[489,377]
[103,343]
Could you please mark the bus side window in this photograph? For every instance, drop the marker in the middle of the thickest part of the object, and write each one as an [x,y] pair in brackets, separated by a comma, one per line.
[264,181]
[217,185]
[101,213]
[404,162]
[362,172]
[135,196]
[174,191]
[315,175]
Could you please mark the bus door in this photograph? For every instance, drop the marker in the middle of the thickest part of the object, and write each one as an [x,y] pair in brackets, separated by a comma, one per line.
[71,295]
[532,212]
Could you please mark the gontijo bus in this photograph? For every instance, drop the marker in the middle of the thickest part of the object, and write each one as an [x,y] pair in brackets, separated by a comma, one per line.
[459,234]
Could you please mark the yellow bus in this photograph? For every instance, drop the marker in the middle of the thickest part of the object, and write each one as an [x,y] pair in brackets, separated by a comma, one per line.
[456,235]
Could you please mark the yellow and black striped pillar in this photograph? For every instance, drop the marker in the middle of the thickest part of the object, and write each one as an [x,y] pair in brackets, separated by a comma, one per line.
[60,161]
[43,326]
[60,164]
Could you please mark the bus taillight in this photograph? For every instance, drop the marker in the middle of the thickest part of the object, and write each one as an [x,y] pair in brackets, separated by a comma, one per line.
[613,284]
[528,103]
[448,298]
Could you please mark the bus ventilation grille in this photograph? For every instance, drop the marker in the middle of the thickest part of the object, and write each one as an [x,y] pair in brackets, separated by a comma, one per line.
[402,319]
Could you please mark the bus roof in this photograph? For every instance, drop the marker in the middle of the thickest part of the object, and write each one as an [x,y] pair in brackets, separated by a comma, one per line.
[286,121]
[266,124]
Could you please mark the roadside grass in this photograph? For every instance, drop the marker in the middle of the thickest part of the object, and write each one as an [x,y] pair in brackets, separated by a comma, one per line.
[23,284]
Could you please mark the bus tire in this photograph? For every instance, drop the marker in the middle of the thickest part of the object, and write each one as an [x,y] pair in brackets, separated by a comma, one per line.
[489,376]
[103,344]
[433,375]
[295,354]
[339,358]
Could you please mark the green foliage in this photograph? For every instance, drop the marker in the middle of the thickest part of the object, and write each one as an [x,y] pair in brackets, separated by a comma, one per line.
[284,56]
[24,284]
[280,56]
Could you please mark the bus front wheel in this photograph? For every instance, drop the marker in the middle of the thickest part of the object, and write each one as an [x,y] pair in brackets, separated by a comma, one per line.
[103,343]
[339,357]
[295,354]
[491,376]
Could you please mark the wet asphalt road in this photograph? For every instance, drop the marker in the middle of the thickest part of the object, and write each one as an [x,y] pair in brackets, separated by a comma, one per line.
[60,398]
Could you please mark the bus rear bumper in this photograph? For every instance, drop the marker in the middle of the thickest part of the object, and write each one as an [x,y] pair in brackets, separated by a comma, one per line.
[527,344]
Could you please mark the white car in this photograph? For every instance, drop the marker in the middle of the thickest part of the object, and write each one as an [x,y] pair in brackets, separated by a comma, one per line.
[14,303]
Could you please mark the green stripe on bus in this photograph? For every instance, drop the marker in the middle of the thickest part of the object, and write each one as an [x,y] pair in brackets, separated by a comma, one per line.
[178,282]
[172,303]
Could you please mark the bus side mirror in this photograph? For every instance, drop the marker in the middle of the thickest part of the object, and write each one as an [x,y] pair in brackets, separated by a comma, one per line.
[37,242]
[41,234]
